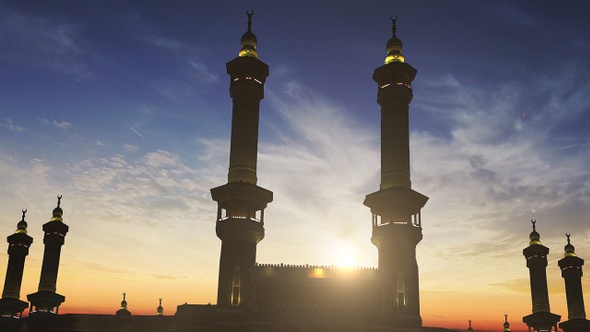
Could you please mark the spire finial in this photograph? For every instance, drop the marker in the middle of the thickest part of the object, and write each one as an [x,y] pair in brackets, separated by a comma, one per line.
[505,318]
[469,328]
[568,237]
[59,199]
[124,296]
[393,25]
[533,221]
[250,12]
[25,211]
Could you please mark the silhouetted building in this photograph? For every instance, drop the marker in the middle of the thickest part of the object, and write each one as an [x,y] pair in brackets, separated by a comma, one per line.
[273,297]
[18,248]
[46,300]
[254,297]
[571,271]
[541,319]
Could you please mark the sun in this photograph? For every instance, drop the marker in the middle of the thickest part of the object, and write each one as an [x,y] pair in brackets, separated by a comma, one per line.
[346,255]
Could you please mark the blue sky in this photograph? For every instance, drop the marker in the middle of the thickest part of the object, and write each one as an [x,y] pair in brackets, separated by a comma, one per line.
[123,107]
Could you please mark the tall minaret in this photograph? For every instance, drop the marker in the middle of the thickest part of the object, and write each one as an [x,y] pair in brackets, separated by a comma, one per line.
[396,207]
[536,260]
[46,300]
[571,271]
[18,249]
[240,202]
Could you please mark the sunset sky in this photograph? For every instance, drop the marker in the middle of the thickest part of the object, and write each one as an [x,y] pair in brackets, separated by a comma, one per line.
[123,108]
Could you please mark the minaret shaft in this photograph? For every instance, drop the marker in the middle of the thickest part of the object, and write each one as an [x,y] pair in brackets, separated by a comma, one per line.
[244,140]
[572,275]
[395,136]
[14,276]
[50,267]
[537,264]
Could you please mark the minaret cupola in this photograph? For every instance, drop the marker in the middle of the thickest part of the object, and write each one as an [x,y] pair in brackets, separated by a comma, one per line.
[534,237]
[123,311]
[57,212]
[569,249]
[394,45]
[21,227]
[249,40]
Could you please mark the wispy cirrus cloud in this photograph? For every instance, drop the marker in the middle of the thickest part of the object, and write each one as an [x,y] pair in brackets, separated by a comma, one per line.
[42,41]
[10,125]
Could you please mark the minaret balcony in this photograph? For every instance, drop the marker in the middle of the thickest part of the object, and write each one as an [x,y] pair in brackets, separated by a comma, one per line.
[237,229]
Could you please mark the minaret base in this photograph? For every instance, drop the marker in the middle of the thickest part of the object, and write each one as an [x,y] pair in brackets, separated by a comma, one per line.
[12,308]
[45,302]
[542,321]
[575,325]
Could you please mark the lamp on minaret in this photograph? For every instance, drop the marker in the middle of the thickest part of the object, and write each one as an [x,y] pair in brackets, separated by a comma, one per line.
[571,271]
[18,248]
[396,207]
[240,202]
[541,319]
[46,300]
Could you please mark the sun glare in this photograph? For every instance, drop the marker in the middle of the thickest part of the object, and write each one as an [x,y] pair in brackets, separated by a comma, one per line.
[346,255]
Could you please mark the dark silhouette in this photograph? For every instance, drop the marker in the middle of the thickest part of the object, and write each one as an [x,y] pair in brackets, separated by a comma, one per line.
[18,249]
[571,271]
[278,297]
[536,260]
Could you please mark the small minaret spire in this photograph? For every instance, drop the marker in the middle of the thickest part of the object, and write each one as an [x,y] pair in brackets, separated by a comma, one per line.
[160,309]
[18,249]
[571,271]
[46,300]
[123,311]
[541,319]
[469,329]
[506,324]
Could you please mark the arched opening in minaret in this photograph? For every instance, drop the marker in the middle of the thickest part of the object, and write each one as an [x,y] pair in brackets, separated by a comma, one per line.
[401,291]
[235,287]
